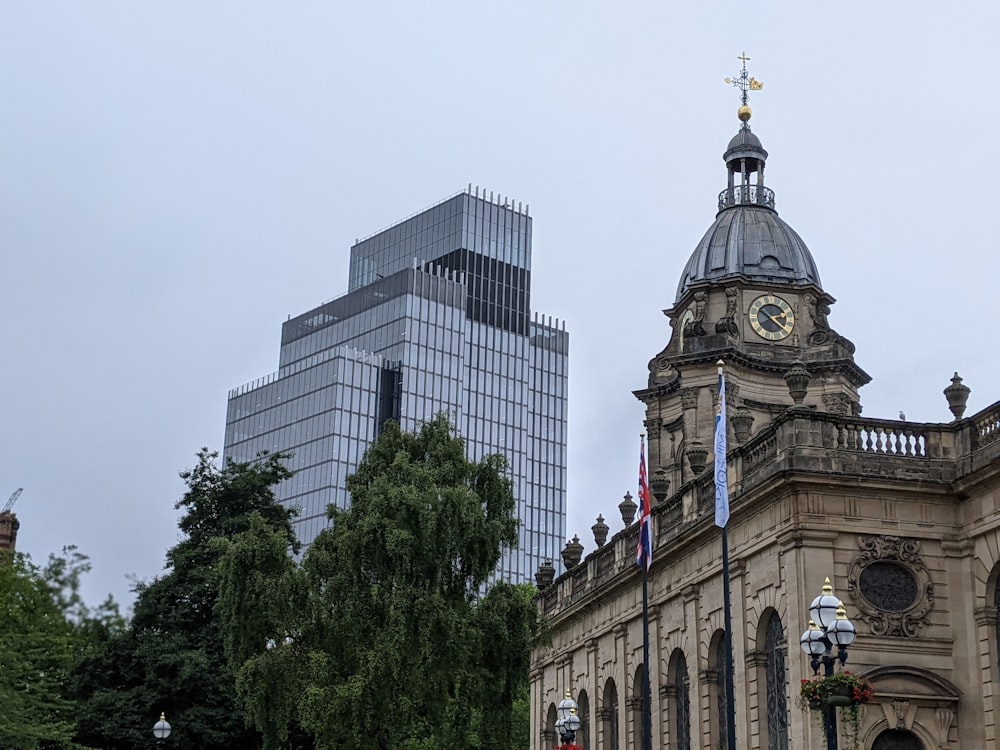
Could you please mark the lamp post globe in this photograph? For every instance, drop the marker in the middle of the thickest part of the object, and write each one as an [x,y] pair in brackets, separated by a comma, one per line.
[161,729]
[812,640]
[823,610]
[572,725]
[566,705]
[841,631]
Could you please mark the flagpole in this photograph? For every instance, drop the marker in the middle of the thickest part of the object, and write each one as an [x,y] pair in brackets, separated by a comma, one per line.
[647,720]
[644,558]
[728,613]
[722,520]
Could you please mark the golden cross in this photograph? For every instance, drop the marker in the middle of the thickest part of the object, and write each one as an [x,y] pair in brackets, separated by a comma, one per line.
[745,82]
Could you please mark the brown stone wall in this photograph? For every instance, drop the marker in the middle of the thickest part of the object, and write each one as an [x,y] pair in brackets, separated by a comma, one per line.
[808,501]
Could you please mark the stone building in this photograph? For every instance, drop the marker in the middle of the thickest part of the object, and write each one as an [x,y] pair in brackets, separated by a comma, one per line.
[903,517]
[8,530]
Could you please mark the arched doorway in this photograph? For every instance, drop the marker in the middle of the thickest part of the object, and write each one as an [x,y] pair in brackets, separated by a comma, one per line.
[897,739]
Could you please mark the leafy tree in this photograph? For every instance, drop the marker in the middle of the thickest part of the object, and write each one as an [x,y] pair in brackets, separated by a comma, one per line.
[45,628]
[382,637]
[171,656]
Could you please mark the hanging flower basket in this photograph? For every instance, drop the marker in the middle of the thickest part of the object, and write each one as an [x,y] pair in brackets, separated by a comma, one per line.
[842,689]
[841,695]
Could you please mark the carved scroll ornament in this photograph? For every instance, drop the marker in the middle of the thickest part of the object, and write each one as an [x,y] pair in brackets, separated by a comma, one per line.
[891,586]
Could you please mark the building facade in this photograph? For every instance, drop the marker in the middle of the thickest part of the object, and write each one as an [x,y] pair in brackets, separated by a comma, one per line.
[903,517]
[437,319]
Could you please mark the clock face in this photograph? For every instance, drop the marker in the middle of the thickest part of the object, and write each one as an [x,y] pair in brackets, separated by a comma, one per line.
[771,317]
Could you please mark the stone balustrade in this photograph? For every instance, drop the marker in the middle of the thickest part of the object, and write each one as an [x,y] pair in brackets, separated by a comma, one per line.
[804,441]
[986,426]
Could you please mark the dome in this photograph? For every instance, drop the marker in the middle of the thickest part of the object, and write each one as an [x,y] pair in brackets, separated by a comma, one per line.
[744,140]
[751,243]
[748,240]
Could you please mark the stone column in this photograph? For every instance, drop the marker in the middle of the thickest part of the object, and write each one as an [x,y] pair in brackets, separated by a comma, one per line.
[537,700]
[654,666]
[689,406]
[691,596]
[622,681]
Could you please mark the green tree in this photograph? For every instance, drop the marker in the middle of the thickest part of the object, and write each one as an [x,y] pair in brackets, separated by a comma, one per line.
[382,638]
[45,629]
[171,656]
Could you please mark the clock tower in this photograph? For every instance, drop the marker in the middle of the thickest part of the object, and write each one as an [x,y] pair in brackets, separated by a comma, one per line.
[750,295]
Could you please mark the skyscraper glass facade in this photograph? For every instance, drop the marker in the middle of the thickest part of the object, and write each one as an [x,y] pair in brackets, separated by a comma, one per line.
[437,319]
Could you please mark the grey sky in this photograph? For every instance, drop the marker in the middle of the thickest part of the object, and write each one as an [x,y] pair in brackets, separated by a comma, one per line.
[177,178]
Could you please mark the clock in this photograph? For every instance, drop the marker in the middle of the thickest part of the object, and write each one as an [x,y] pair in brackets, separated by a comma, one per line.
[771,317]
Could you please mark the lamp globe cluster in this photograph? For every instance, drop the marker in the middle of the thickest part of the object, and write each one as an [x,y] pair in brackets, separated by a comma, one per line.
[828,627]
[568,723]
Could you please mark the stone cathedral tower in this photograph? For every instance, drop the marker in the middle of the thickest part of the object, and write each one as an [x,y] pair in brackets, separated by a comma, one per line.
[751,296]
[903,517]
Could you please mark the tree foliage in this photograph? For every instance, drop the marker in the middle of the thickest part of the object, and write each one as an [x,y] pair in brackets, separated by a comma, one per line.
[383,637]
[45,629]
[171,656]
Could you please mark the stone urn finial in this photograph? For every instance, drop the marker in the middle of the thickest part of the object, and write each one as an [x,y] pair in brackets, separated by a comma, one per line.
[600,530]
[545,574]
[797,380]
[958,396]
[627,508]
[660,485]
[697,456]
[742,422]
[572,553]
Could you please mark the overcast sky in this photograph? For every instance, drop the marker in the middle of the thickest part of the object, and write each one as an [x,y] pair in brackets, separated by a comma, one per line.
[177,178]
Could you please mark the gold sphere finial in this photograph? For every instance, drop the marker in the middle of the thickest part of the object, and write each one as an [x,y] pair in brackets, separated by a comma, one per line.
[744,113]
[827,588]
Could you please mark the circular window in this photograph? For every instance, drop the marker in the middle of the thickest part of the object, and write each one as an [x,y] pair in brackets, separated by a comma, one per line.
[888,586]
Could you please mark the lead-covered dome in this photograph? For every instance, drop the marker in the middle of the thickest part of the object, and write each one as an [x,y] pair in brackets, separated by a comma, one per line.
[748,240]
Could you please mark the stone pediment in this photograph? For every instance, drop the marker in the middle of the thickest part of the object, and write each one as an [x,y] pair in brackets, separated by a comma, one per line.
[912,683]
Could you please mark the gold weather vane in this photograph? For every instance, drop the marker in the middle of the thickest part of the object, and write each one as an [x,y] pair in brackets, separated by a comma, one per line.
[744,81]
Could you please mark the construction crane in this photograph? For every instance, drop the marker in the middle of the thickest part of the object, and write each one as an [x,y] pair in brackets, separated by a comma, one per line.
[13,499]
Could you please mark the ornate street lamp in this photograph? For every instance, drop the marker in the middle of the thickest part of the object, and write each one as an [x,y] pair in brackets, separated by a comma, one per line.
[828,627]
[568,723]
[161,729]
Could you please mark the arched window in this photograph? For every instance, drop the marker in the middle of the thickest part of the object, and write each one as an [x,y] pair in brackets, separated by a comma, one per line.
[583,711]
[549,736]
[897,739]
[635,708]
[680,726]
[609,716]
[776,684]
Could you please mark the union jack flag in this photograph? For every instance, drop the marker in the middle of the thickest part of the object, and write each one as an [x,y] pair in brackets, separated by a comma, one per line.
[644,552]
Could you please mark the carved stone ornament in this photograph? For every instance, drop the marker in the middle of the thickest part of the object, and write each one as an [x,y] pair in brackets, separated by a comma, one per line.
[732,391]
[695,327]
[837,403]
[891,586]
[727,324]
[689,398]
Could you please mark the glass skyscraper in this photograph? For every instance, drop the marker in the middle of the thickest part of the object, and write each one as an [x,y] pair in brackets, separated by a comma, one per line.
[437,319]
